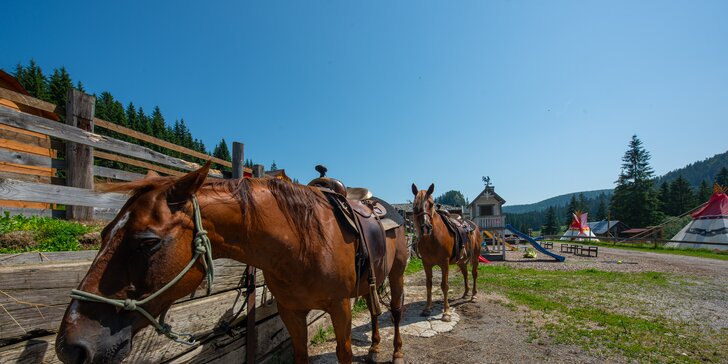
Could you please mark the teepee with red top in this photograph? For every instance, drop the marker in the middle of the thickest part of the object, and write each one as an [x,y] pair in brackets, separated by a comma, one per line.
[579,228]
[709,226]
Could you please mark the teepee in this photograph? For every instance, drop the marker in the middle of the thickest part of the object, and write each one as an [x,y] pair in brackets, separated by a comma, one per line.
[579,229]
[709,225]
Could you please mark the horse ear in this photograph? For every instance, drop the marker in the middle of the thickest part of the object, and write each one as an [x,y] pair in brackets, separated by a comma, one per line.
[414,189]
[187,185]
[431,190]
[151,174]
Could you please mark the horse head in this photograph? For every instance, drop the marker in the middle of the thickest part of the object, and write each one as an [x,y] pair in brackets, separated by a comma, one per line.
[147,245]
[423,207]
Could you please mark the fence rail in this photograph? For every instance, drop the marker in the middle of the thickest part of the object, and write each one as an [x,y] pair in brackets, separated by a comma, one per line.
[31,160]
[640,240]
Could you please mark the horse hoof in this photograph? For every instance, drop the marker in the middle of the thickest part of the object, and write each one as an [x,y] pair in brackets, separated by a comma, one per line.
[425,313]
[398,361]
[446,317]
[373,357]
[473,298]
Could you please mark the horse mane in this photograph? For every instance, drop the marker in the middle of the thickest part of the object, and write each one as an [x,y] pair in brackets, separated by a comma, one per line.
[297,202]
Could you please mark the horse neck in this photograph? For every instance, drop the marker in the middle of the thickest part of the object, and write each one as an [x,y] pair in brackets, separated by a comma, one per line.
[231,237]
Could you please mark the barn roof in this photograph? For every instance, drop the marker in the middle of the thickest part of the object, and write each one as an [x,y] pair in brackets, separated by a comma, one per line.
[491,190]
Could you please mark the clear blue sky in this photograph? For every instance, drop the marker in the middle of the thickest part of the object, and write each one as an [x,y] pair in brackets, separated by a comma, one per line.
[542,96]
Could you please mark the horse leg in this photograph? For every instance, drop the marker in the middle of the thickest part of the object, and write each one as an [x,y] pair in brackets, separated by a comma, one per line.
[295,322]
[340,313]
[396,284]
[464,270]
[445,287]
[474,262]
[374,349]
[428,282]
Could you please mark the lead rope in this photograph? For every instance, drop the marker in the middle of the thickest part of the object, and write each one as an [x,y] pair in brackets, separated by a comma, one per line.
[202,248]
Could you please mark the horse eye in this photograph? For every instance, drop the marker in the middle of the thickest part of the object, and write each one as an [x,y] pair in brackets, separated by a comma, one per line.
[148,242]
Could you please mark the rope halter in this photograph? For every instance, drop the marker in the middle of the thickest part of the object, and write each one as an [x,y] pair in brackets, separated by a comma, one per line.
[202,249]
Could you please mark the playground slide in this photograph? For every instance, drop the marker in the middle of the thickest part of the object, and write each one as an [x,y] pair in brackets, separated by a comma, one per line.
[490,236]
[535,243]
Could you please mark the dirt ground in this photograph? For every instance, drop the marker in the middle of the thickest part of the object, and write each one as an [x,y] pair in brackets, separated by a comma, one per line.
[488,331]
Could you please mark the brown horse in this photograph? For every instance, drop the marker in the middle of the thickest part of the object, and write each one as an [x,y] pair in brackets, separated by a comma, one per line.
[435,245]
[287,230]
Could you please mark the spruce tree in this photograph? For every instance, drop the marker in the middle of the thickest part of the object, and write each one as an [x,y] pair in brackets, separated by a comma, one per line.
[33,80]
[635,200]
[722,177]
[571,209]
[552,223]
[704,192]
[602,211]
[582,204]
[158,127]
[664,197]
[58,86]
[221,151]
[273,167]
[79,86]
[682,198]
[131,117]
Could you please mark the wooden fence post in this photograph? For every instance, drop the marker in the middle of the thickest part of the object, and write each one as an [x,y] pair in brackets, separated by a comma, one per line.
[80,158]
[258,170]
[238,160]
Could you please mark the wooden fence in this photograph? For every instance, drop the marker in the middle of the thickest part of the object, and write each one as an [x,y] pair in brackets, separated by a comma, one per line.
[28,162]
[35,287]
[35,292]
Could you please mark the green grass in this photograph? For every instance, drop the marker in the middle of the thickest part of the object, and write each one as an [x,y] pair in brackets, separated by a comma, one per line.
[649,247]
[322,335]
[597,310]
[413,266]
[46,234]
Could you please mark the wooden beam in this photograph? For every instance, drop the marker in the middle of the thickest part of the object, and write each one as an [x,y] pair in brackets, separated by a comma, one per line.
[37,192]
[80,110]
[25,159]
[162,143]
[238,160]
[24,136]
[28,101]
[137,163]
[48,127]
[116,174]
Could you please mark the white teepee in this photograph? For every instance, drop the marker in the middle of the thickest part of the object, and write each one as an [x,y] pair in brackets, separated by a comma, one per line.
[579,229]
[709,225]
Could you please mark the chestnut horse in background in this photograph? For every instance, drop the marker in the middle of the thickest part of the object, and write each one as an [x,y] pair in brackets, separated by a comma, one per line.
[287,230]
[435,245]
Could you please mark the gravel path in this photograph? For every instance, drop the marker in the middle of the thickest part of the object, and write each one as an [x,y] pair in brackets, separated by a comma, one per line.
[487,331]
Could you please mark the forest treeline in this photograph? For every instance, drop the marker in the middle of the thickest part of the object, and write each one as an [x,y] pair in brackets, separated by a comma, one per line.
[54,89]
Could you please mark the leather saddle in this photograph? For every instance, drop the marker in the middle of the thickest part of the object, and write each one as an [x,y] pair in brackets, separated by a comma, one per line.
[461,229]
[367,216]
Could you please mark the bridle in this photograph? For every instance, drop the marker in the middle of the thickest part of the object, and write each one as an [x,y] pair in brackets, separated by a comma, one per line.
[426,224]
[203,249]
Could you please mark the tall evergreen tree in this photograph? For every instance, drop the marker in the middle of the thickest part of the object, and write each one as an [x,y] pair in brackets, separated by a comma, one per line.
[722,177]
[79,86]
[221,151]
[452,198]
[131,116]
[158,126]
[664,197]
[273,167]
[571,209]
[552,223]
[635,200]
[602,211]
[58,86]
[582,204]
[145,124]
[682,198]
[704,192]
[33,80]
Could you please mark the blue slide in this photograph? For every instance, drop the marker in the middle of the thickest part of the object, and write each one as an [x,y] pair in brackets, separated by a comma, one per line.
[535,243]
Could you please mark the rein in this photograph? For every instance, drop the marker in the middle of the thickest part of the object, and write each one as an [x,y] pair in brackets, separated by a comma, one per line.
[202,248]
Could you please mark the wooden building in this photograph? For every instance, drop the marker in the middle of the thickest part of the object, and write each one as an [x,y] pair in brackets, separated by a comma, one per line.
[486,210]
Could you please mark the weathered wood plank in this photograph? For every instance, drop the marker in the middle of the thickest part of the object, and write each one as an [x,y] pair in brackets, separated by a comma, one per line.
[24,136]
[47,257]
[26,211]
[27,148]
[198,316]
[24,191]
[28,100]
[21,169]
[38,124]
[45,288]
[136,163]
[162,143]
[116,174]
[238,160]
[25,159]
[31,178]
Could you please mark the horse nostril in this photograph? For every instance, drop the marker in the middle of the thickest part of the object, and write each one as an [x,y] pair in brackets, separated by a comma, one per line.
[76,353]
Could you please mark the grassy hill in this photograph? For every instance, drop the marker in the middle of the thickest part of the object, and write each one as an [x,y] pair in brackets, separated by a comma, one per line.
[553,201]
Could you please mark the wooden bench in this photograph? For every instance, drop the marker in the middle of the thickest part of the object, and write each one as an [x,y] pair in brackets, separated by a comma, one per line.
[548,245]
[588,250]
[569,248]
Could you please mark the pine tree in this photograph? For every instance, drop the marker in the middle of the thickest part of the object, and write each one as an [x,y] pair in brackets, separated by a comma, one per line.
[602,211]
[722,177]
[552,223]
[452,198]
[131,116]
[145,124]
[58,86]
[704,192]
[221,151]
[571,209]
[682,198]
[664,197]
[635,200]
[33,80]
[273,167]
[582,204]
[79,86]
[158,127]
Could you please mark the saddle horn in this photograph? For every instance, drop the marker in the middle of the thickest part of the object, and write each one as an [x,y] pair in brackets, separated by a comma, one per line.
[322,170]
